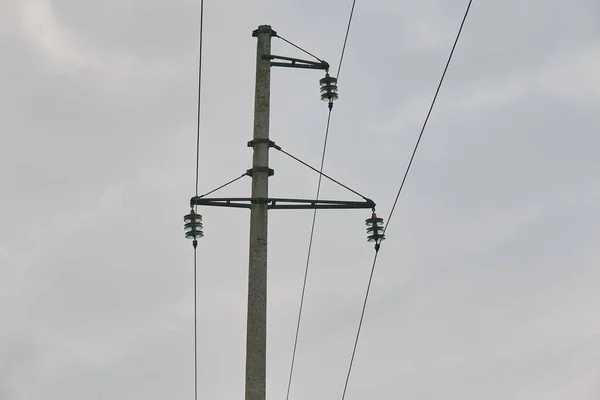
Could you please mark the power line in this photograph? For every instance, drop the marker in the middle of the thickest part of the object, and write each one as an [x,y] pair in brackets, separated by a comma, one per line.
[312,229]
[195,324]
[345,40]
[195,242]
[310,242]
[400,190]
[199,95]
[362,315]
[437,91]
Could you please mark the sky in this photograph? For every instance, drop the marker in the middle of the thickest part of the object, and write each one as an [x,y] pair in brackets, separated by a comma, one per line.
[486,287]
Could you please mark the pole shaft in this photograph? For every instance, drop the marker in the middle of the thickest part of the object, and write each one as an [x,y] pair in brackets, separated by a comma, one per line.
[256,334]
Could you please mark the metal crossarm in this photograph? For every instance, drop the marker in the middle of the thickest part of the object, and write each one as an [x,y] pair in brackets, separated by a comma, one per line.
[297,63]
[278,203]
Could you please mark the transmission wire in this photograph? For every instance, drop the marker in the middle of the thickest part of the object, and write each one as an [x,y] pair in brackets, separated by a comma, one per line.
[345,40]
[310,242]
[195,242]
[400,190]
[437,91]
[312,229]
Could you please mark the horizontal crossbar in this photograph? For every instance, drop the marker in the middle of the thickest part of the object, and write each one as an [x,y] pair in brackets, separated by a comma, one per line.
[278,203]
[297,63]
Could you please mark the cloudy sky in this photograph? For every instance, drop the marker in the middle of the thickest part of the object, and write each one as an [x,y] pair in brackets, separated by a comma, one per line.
[486,287]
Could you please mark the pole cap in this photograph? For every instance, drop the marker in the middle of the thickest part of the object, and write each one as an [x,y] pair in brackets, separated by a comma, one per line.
[264,29]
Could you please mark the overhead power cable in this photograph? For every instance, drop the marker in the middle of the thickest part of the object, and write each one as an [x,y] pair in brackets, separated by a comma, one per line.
[345,40]
[437,91]
[195,242]
[312,228]
[310,242]
[399,191]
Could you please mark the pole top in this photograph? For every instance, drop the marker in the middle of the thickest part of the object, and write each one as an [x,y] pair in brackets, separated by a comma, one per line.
[264,29]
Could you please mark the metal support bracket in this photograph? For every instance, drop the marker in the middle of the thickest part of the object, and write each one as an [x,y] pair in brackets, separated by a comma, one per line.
[251,171]
[259,141]
[297,63]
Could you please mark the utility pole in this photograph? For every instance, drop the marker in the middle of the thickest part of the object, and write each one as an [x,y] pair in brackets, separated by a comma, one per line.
[260,203]
[256,331]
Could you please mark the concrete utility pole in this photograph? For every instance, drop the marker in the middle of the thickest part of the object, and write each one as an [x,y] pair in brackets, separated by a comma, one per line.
[256,339]
[260,203]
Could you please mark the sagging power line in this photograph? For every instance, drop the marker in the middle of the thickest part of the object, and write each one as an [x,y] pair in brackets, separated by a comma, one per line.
[362,314]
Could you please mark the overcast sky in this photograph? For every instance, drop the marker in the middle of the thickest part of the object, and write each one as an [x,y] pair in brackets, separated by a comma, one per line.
[486,287]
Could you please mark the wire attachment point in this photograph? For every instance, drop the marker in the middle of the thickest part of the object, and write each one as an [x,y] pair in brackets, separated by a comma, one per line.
[375,230]
[329,89]
[193,227]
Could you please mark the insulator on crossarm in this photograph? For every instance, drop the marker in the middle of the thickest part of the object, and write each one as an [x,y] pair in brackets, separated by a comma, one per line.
[193,225]
[375,230]
[329,89]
